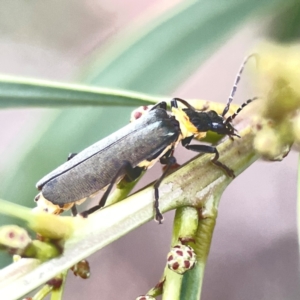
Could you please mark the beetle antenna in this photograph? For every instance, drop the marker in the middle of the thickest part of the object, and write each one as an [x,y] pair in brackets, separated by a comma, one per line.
[232,117]
[236,82]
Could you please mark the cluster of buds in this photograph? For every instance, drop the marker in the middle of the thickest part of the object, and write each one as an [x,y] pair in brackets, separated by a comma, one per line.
[14,239]
[279,109]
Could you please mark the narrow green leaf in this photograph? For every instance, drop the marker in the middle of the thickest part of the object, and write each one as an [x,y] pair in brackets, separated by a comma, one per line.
[20,92]
[285,26]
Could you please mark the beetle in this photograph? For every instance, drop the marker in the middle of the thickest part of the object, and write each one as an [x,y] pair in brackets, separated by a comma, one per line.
[132,149]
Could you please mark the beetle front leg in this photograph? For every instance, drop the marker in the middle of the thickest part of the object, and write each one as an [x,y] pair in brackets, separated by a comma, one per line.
[127,169]
[209,149]
[161,104]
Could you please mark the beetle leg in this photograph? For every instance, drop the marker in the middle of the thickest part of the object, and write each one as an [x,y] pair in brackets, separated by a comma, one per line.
[130,172]
[161,104]
[209,149]
[71,155]
[74,210]
[169,160]
[187,104]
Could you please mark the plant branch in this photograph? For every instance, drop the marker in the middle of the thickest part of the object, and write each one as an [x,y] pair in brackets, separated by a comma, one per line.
[181,188]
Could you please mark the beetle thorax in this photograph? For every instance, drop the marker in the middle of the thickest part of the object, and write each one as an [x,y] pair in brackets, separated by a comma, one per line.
[187,128]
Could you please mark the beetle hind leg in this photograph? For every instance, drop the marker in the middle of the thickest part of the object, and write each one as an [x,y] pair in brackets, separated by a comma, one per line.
[169,160]
[130,172]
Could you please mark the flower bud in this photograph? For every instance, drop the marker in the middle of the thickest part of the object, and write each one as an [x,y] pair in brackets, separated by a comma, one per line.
[181,258]
[14,237]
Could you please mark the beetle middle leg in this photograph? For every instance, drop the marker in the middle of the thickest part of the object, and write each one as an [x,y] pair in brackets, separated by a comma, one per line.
[208,149]
[127,169]
[74,210]
[131,173]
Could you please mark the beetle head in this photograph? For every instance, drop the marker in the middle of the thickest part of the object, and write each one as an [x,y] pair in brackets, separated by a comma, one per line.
[220,125]
[196,121]
[201,121]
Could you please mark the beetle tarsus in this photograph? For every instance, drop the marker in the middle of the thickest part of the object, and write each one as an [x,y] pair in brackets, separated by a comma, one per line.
[71,155]
[226,169]
[158,216]
[86,213]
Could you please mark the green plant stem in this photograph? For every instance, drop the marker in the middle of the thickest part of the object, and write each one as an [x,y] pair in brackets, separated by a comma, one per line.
[185,226]
[43,292]
[50,226]
[196,227]
[15,210]
[193,280]
[122,190]
[172,285]
[57,294]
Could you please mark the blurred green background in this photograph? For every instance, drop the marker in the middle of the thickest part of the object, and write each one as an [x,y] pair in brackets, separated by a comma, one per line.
[188,49]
